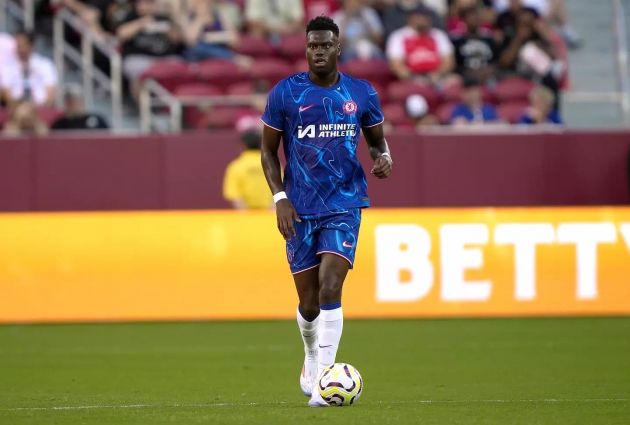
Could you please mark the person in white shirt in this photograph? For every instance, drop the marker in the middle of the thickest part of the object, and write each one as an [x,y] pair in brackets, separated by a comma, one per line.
[30,76]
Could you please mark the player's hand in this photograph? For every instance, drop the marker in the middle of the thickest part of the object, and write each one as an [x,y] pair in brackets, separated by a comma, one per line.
[382,166]
[286,215]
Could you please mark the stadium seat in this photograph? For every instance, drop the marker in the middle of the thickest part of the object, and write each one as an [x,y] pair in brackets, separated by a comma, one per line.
[223,117]
[293,47]
[248,87]
[301,65]
[254,46]
[270,70]
[396,115]
[512,111]
[220,72]
[170,73]
[445,111]
[513,88]
[192,114]
[398,91]
[374,70]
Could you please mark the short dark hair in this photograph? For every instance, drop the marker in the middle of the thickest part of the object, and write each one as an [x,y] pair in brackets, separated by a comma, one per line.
[29,35]
[322,23]
[251,139]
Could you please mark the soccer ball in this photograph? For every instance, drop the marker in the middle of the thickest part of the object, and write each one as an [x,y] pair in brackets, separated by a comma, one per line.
[340,384]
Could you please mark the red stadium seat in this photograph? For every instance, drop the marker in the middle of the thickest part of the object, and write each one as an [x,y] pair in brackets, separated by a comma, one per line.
[293,47]
[170,73]
[512,111]
[396,115]
[445,111]
[301,65]
[220,72]
[248,87]
[374,70]
[193,114]
[513,88]
[254,46]
[270,70]
[400,90]
[223,117]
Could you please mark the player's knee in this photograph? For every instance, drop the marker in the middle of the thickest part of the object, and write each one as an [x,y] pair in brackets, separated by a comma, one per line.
[330,289]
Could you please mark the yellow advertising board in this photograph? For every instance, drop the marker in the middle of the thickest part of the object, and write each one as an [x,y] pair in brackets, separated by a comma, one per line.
[231,265]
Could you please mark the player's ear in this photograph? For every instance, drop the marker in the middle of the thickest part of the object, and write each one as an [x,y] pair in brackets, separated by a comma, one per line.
[338,48]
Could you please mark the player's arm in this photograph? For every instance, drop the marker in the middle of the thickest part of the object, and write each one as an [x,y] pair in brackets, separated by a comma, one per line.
[379,150]
[285,212]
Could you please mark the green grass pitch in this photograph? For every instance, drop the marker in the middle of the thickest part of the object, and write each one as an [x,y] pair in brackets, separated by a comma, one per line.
[507,372]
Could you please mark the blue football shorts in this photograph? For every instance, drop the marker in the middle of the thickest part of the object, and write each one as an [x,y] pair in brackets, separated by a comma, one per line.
[336,233]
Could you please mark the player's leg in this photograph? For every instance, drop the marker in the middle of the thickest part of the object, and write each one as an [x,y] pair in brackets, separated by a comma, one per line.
[332,273]
[337,244]
[307,286]
[304,264]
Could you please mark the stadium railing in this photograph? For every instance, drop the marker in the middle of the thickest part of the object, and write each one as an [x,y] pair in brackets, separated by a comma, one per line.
[83,59]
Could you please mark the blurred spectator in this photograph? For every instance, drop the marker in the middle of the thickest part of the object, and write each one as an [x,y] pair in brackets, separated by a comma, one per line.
[30,75]
[75,116]
[475,49]
[315,8]
[553,10]
[395,15]
[274,18]
[472,109]
[455,23]
[417,109]
[530,51]
[147,35]
[23,120]
[361,31]
[541,109]
[244,184]
[209,33]
[419,50]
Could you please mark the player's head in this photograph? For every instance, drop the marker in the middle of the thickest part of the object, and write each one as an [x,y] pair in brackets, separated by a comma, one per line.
[322,45]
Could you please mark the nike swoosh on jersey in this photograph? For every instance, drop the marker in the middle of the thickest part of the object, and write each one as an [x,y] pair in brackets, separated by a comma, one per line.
[325,346]
[304,108]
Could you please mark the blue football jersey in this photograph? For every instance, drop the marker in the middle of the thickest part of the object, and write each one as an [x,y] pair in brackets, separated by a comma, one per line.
[321,127]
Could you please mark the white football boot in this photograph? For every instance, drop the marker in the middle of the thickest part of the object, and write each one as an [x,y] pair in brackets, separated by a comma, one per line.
[307,380]
[316,399]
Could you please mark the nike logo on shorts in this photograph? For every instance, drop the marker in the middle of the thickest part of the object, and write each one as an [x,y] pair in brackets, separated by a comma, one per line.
[325,346]
[346,244]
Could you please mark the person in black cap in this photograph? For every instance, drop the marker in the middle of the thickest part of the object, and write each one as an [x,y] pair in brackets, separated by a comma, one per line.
[419,50]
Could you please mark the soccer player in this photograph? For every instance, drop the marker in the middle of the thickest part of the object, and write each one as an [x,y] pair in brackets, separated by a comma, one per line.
[318,115]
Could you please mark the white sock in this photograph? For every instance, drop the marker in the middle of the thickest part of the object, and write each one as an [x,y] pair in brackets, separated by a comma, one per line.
[330,328]
[308,330]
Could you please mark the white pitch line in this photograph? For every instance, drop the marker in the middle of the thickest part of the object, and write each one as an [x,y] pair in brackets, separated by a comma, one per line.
[256,404]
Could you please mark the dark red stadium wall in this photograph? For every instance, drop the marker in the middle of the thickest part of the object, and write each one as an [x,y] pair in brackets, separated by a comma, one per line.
[186,171]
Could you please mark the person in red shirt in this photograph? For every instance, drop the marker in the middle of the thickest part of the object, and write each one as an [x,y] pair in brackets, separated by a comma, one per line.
[420,51]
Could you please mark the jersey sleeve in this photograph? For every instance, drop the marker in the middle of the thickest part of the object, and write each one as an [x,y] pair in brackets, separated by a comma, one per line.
[274,111]
[373,114]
